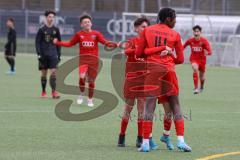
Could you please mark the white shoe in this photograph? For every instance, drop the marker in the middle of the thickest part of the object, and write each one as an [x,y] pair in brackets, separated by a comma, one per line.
[196,91]
[90,103]
[80,99]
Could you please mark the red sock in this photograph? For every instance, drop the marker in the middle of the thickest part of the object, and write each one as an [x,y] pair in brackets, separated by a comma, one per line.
[167,125]
[179,126]
[124,124]
[147,129]
[82,84]
[202,83]
[140,128]
[91,89]
[195,80]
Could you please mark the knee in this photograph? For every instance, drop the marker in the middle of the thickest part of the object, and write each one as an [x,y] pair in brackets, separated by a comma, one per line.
[91,85]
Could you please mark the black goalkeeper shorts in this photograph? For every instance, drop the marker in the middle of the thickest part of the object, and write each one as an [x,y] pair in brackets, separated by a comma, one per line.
[48,62]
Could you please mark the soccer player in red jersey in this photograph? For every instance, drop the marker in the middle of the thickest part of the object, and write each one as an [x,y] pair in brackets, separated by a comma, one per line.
[88,40]
[162,34]
[133,64]
[200,49]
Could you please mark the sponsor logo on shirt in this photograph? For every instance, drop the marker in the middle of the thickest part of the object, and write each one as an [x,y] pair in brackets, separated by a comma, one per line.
[197,49]
[88,44]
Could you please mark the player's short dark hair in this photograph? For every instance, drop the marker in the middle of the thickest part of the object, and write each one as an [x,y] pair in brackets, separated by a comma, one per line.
[197,27]
[165,13]
[85,17]
[49,12]
[11,19]
[141,20]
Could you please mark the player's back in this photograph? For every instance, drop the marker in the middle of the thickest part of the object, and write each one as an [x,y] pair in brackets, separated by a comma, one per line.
[161,35]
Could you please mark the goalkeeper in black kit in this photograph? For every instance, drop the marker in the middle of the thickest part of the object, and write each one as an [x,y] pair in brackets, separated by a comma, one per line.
[48,53]
[11,46]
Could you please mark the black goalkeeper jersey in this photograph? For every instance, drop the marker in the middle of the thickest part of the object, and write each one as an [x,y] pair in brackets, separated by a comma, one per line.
[11,45]
[44,41]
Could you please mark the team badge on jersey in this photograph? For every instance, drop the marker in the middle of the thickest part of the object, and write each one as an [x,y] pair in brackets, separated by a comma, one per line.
[94,37]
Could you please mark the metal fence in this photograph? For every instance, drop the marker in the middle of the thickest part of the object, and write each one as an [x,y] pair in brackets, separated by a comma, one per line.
[119,27]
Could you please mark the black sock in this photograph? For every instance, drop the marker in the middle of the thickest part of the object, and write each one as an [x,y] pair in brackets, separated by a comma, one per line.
[8,60]
[44,83]
[12,65]
[53,82]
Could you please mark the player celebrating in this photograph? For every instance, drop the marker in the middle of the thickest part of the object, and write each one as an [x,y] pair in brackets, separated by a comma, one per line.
[200,48]
[48,53]
[131,65]
[88,49]
[162,34]
[11,46]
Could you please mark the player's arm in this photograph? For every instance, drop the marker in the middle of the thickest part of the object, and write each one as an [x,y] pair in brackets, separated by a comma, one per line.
[38,41]
[141,45]
[105,42]
[72,42]
[207,47]
[58,35]
[186,44]
[179,59]
[154,50]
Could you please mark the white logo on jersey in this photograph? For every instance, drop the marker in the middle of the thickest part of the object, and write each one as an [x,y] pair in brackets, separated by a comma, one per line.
[197,49]
[88,44]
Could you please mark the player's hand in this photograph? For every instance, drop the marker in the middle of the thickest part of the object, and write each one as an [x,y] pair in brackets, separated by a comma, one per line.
[40,58]
[59,59]
[166,52]
[55,40]
[169,50]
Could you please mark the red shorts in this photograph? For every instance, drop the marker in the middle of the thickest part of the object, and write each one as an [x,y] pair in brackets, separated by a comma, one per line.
[201,64]
[170,77]
[155,84]
[89,65]
[134,77]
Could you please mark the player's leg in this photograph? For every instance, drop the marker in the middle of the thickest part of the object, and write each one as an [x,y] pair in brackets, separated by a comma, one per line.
[124,122]
[52,65]
[52,81]
[167,123]
[44,82]
[42,66]
[148,115]
[11,61]
[91,86]
[195,77]
[82,81]
[179,123]
[202,70]
[140,108]
[202,80]
[91,75]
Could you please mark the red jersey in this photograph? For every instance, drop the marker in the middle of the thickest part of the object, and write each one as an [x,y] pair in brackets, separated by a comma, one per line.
[198,48]
[130,50]
[161,35]
[88,42]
